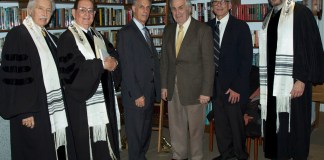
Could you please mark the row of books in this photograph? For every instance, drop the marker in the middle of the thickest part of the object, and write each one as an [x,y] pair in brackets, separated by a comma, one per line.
[250,12]
[105,17]
[61,18]
[158,9]
[110,17]
[202,12]
[156,31]
[10,17]
[156,21]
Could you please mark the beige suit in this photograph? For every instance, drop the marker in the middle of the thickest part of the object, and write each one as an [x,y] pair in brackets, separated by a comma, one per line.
[186,77]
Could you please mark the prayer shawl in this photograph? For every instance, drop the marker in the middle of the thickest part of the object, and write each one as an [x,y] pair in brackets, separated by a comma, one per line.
[96,106]
[283,81]
[52,84]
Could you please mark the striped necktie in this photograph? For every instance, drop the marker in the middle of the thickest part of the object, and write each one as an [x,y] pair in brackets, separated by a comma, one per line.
[216,45]
[147,37]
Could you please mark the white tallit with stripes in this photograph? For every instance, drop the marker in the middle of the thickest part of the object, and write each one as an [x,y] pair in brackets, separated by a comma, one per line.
[52,84]
[283,81]
[96,106]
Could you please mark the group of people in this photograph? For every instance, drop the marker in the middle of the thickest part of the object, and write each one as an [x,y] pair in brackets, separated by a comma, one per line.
[59,93]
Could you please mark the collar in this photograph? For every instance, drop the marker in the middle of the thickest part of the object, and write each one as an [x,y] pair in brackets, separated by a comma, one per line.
[139,25]
[186,24]
[278,7]
[85,30]
[224,20]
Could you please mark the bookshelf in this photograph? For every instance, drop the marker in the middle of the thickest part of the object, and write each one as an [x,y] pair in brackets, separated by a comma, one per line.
[157,20]
[110,16]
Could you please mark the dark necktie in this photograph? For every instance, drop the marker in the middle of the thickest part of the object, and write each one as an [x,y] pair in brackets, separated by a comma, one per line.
[147,37]
[89,34]
[216,45]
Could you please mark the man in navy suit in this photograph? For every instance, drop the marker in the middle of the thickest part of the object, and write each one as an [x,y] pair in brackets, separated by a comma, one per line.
[141,79]
[233,60]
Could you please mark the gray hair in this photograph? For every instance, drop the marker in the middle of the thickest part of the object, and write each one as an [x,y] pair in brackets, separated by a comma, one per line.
[133,2]
[31,5]
[188,3]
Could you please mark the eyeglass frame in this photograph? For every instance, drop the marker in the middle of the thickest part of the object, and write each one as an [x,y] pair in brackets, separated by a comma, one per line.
[83,10]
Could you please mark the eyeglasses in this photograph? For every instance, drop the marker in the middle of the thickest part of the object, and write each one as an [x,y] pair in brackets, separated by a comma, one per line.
[86,10]
[221,2]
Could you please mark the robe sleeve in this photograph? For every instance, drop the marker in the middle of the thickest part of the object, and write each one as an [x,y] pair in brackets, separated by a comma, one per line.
[308,56]
[116,74]
[18,90]
[80,77]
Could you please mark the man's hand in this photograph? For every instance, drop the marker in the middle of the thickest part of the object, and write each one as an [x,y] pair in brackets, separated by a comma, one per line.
[247,119]
[298,89]
[164,94]
[140,102]
[233,96]
[110,63]
[204,99]
[29,122]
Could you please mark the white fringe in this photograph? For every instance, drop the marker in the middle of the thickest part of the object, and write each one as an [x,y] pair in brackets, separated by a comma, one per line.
[99,133]
[111,152]
[90,148]
[283,105]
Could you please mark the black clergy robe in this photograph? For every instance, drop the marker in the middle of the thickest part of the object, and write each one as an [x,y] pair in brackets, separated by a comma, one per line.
[23,94]
[81,78]
[308,68]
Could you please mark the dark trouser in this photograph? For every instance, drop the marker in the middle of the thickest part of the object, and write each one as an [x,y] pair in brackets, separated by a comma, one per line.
[229,127]
[138,126]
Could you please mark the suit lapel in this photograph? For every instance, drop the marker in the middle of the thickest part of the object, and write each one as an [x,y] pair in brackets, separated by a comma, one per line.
[227,32]
[173,40]
[187,37]
[140,36]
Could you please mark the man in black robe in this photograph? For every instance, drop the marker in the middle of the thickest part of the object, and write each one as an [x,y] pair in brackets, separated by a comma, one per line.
[291,60]
[30,91]
[87,78]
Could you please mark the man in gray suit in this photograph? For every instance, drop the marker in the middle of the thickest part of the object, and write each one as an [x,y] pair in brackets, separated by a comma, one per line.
[187,75]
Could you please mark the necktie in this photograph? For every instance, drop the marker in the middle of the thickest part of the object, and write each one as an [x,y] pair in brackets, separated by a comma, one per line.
[89,34]
[216,45]
[179,40]
[147,37]
[43,32]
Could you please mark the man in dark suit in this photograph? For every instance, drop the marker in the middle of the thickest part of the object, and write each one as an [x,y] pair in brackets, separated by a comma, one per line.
[141,79]
[233,60]
[187,75]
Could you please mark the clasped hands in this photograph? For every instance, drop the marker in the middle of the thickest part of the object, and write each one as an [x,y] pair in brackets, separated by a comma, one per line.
[110,63]
[140,102]
[28,122]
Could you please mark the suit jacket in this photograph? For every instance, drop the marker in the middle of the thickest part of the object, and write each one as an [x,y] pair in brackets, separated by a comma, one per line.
[194,66]
[139,65]
[235,58]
